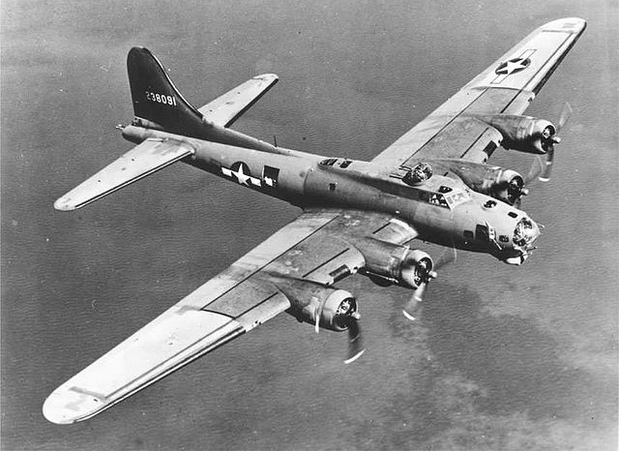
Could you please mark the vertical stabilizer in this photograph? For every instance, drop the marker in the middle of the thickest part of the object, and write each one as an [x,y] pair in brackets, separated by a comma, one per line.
[156,99]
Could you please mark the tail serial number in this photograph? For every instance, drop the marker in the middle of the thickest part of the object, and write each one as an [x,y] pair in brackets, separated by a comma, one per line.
[160,98]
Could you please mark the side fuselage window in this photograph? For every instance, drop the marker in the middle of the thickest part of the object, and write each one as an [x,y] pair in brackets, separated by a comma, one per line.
[482,233]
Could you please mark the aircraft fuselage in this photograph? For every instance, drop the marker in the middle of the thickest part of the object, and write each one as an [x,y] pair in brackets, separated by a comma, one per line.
[443,210]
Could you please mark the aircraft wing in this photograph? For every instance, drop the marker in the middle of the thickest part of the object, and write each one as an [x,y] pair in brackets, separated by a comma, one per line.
[227,108]
[508,86]
[305,252]
[144,159]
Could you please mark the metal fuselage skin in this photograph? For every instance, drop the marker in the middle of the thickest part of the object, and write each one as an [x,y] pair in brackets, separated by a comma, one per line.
[475,222]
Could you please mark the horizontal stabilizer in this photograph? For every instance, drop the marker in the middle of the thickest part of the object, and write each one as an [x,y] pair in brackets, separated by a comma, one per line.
[144,159]
[227,108]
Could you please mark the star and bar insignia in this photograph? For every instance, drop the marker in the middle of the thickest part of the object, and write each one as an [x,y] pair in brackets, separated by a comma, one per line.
[512,66]
[240,172]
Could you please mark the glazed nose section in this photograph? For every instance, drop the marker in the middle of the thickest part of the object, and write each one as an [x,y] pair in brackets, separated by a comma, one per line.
[525,233]
[535,231]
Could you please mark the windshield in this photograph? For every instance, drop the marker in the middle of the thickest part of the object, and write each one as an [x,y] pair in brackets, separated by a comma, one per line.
[448,200]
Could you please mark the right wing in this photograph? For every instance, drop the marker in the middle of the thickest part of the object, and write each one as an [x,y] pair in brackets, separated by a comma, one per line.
[309,250]
[227,108]
[144,159]
[506,87]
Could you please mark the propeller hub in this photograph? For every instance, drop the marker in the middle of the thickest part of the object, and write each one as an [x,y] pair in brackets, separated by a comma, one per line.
[423,271]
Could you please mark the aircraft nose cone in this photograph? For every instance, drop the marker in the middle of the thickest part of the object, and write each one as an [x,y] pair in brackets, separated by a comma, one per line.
[525,234]
[534,232]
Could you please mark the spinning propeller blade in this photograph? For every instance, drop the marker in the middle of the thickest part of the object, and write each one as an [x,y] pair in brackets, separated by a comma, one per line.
[566,112]
[535,171]
[355,341]
[448,256]
[411,306]
[319,315]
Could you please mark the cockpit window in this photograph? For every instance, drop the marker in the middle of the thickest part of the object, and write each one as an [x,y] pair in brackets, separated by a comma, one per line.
[433,198]
[332,161]
[328,162]
[450,200]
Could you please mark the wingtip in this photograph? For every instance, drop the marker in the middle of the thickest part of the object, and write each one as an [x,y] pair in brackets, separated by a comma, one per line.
[271,78]
[67,406]
[573,24]
[64,204]
[53,414]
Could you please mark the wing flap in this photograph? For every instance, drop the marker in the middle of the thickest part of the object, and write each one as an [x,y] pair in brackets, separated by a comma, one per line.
[148,157]
[228,107]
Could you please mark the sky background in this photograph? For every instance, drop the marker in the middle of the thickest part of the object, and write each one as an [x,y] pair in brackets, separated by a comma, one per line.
[503,358]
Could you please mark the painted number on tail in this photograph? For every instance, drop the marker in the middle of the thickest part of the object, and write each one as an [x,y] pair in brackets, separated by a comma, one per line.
[160,98]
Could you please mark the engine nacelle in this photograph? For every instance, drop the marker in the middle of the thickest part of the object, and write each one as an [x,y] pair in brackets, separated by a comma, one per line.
[523,133]
[387,264]
[331,306]
[506,185]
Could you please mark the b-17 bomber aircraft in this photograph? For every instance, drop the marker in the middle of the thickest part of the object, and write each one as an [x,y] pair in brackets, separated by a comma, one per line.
[433,184]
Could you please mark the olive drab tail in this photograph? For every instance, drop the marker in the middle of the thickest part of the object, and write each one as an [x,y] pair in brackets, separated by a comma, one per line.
[156,99]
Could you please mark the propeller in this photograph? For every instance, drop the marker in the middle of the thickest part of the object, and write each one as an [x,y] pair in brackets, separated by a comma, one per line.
[412,305]
[321,307]
[536,169]
[448,256]
[355,340]
[551,140]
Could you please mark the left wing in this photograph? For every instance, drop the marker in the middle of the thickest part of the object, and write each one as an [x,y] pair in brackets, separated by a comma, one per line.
[308,250]
[227,108]
[508,86]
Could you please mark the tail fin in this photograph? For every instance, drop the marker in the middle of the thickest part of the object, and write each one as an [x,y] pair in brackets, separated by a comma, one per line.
[156,99]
